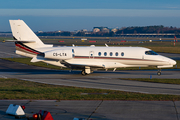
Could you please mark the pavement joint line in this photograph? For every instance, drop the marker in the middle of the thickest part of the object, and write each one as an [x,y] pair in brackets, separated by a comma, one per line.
[27,103]
[176,110]
[95,109]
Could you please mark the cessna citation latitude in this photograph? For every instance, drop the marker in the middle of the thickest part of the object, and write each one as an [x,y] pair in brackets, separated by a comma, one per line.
[87,58]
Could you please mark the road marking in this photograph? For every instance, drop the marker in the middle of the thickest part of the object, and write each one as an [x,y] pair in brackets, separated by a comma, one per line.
[3,76]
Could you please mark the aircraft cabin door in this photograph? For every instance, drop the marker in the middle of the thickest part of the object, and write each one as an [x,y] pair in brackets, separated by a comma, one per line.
[91,54]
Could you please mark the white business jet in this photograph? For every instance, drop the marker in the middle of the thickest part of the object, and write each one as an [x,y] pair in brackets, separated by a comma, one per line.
[87,58]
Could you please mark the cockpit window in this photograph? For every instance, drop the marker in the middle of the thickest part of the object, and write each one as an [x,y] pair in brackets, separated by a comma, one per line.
[150,53]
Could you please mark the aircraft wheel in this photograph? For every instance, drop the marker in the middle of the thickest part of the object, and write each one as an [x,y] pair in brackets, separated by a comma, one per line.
[158,73]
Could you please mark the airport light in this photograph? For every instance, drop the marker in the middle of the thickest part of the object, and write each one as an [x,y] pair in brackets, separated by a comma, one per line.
[23,107]
[37,116]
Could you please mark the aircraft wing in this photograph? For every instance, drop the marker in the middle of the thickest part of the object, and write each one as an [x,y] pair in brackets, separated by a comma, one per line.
[83,64]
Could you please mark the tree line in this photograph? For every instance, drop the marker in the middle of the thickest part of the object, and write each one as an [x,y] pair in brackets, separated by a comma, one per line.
[125,30]
[149,29]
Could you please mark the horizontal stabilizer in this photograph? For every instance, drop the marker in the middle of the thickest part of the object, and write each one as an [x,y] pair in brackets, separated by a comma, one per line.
[23,41]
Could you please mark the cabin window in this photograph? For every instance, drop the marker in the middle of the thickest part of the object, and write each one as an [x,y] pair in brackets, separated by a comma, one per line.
[150,52]
[99,53]
[116,53]
[105,53]
[110,53]
[72,50]
[122,54]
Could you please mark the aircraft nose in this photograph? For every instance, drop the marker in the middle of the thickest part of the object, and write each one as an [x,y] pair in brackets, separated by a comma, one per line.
[172,62]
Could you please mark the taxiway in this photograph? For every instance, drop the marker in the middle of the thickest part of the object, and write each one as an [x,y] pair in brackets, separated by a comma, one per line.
[99,79]
[103,110]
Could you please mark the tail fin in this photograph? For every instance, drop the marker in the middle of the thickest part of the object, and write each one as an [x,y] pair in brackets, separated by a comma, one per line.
[21,32]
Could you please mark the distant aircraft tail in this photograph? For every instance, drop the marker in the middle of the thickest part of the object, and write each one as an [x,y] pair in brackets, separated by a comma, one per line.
[25,39]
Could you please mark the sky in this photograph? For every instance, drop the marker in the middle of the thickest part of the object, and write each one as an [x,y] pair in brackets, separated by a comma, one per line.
[70,15]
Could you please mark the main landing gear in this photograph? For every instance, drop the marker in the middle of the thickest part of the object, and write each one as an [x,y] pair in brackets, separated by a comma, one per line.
[159,72]
[83,72]
[86,71]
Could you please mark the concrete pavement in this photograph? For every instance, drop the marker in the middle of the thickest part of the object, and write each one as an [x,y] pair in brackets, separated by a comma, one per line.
[98,110]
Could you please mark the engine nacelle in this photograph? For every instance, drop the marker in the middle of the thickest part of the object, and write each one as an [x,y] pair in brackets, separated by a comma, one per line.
[59,54]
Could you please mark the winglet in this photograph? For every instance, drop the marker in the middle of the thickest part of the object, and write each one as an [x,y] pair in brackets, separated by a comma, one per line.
[35,59]
[106,45]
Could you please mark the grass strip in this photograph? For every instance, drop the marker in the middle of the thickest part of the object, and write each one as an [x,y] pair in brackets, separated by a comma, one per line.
[166,49]
[20,89]
[42,64]
[166,81]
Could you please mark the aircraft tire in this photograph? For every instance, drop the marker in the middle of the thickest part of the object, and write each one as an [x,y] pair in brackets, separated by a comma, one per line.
[158,73]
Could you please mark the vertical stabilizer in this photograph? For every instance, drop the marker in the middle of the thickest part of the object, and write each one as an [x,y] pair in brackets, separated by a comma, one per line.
[22,32]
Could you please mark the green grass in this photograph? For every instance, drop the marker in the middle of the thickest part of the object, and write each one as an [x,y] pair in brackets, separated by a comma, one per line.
[166,49]
[167,81]
[19,89]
